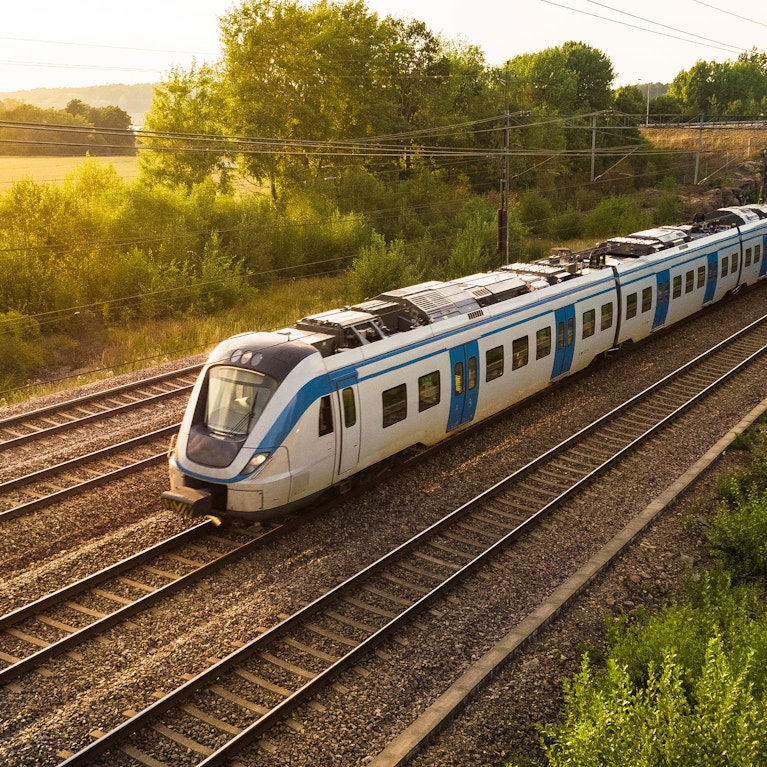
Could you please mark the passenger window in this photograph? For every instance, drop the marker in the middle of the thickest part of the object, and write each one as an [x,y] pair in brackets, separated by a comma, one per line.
[748,257]
[589,323]
[428,391]
[494,363]
[757,253]
[350,409]
[631,305]
[712,272]
[607,316]
[701,276]
[326,416]
[561,335]
[542,343]
[677,286]
[519,353]
[570,331]
[724,266]
[646,299]
[734,263]
[472,372]
[689,282]
[394,405]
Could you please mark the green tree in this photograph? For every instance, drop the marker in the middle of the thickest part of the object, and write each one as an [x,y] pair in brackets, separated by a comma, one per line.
[570,79]
[183,128]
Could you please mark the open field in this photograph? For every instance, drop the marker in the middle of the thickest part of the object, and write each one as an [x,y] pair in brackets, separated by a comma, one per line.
[54,169]
[741,144]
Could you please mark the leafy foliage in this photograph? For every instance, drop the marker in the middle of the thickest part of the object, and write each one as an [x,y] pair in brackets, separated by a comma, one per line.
[32,131]
[381,267]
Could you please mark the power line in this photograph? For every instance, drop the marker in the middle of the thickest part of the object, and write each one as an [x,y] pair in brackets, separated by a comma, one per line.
[721,47]
[749,19]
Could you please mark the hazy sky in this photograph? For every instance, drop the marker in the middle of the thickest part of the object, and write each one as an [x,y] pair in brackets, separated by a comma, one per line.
[50,43]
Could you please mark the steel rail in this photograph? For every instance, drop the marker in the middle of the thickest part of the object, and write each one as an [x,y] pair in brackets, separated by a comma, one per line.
[92,482]
[253,731]
[78,401]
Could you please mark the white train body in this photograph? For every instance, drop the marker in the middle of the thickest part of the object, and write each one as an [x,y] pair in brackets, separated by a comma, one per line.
[276,419]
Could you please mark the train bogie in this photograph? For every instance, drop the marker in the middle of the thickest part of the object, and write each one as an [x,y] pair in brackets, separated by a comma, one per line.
[277,419]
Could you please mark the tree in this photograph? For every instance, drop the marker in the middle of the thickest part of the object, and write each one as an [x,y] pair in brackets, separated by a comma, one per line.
[300,77]
[183,130]
[573,78]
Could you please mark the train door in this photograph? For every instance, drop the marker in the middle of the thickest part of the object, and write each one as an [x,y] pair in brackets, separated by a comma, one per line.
[564,319]
[663,293]
[464,364]
[763,263]
[711,277]
[348,439]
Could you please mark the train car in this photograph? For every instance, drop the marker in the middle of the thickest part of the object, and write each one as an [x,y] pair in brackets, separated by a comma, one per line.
[277,419]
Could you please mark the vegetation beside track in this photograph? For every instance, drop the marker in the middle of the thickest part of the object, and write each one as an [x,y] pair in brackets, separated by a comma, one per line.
[685,686]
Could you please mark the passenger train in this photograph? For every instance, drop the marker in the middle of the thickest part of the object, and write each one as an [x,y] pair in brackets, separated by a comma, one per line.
[276,419]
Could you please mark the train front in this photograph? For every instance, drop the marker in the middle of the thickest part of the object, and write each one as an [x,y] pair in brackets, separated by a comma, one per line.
[231,457]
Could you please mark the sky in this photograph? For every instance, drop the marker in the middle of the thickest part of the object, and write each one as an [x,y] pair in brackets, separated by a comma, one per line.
[54,44]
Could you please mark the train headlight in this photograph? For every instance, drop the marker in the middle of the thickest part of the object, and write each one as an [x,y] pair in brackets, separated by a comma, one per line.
[254,464]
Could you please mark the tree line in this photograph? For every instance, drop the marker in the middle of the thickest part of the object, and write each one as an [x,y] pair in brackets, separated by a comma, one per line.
[76,130]
[326,140]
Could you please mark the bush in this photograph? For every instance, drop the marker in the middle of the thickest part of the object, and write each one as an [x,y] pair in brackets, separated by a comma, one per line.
[381,267]
[738,533]
[616,215]
[535,212]
[611,721]
[568,225]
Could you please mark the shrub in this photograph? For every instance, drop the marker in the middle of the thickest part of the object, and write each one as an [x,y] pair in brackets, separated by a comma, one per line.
[616,215]
[381,267]
[536,212]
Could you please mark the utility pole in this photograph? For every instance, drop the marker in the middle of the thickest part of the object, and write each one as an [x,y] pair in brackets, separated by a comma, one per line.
[593,143]
[697,155]
[503,210]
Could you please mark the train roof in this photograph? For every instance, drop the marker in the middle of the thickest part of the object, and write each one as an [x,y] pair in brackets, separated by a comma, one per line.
[402,309]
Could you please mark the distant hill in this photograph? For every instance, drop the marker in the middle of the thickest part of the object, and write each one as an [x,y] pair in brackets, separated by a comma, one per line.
[134,99]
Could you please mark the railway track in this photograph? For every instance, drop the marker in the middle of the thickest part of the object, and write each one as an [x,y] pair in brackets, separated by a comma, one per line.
[54,420]
[41,488]
[238,699]
[58,622]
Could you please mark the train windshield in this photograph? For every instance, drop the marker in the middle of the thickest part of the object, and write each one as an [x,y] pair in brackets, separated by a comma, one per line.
[236,399]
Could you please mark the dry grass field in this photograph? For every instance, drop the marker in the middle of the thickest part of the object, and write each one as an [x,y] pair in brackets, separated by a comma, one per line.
[738,144]
[54,169]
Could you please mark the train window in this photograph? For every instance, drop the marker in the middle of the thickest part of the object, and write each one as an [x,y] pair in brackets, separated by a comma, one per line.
[519,352]
[542,343]
[646,299]
[757,253]
[589,323]
[472,372]
[689,281]
[458,378]
[734,263]
[725,264]
[428,391]
[712,273]
[607,316]
[631,305]
[395,404]
[701,276]
[561,335]
[748,257]
[350,409]
[677,286]
[326,416]
[494,363]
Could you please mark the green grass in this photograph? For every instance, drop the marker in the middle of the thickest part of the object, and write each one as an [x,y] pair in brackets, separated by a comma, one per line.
[122,347]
